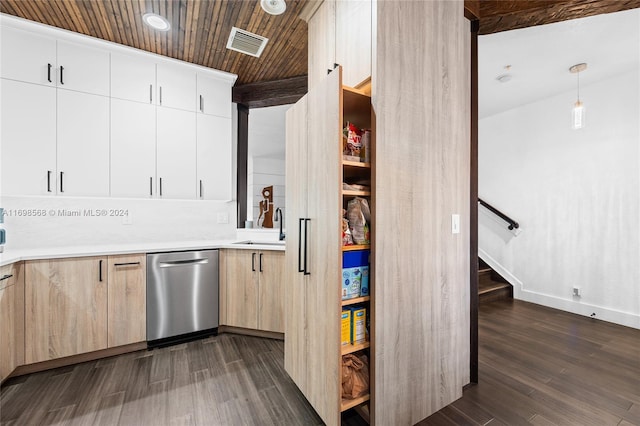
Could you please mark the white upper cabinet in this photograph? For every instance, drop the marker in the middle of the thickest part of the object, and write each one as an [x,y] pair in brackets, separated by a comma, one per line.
[214,96]
[176,87]
[353,40]
[214,157]
[176,153]
[27,56]
[83,144]
[133,149]
[28,139]
[322,42]
[83,69]
[133,78]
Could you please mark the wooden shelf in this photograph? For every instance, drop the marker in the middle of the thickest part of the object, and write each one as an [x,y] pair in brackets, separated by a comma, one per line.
[356,300]
[349,349]
[350,403]
[348,163]
[348,193]
[356,247]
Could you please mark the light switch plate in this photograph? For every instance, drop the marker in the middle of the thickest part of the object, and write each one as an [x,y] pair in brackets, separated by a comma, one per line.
[455,223]
[223,217]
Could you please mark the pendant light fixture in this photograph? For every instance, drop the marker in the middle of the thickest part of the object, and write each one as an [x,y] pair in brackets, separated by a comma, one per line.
[578,112]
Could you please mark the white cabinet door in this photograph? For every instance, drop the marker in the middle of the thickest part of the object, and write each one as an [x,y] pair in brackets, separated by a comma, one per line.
[214,96]
[26,56]
[176,87]
[28,138]
[83,144]
[176,153]
[353,40]
[133,149]
[214,158]
[133,78]
[322,42]
[83,68]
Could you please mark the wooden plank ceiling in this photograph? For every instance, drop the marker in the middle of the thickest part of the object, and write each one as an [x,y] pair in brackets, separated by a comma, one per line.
[199,30]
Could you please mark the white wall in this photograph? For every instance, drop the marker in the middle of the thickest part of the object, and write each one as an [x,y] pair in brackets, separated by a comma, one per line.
[576,194]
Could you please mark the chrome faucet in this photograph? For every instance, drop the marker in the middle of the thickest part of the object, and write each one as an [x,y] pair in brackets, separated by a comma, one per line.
[279,219]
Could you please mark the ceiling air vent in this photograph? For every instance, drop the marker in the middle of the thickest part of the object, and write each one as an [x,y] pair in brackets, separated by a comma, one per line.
[245,42]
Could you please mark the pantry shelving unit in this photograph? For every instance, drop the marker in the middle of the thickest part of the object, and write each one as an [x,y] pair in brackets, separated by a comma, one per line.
[356,109]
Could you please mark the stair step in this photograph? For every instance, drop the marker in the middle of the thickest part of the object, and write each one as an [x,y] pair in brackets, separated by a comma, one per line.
[493,286]
[484,270]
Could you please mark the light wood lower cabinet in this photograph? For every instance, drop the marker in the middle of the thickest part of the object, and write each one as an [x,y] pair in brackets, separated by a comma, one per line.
[127,311]
[80,305]
[66,307]
[11,318]
[253,287]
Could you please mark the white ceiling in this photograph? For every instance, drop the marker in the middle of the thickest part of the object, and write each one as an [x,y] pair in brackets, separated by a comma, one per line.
[540,58]
[267,132]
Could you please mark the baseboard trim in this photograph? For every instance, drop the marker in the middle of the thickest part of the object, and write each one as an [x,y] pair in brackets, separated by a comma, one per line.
[250,332]
[77,359]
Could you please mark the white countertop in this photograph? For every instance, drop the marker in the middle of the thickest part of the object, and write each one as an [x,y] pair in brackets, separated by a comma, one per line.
[12,256]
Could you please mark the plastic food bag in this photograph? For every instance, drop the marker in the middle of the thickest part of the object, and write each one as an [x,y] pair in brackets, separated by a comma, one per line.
[347,240]
[359,214]
[355,376]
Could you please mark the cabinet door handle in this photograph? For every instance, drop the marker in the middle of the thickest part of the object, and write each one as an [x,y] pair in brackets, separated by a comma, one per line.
[260,263]
[306,271]
[300,245]
[61,74]
[151,186]
[49,66]
[48,180]
[6,277]
[201,104]
[161,187]
[160,95]
[253,262]
[100,268]
[151,93]
[126,264]
[200,188]
[61,182]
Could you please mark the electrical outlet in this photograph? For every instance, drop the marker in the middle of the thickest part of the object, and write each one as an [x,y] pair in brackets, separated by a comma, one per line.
[223,217]
[576,291]
[455,223]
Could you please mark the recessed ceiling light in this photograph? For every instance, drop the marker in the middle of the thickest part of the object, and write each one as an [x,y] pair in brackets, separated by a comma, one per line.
[273,7]
[157,22]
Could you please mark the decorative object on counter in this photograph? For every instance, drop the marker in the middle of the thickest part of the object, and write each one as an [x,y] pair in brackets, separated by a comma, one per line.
[248,224]
[355,376]
[265,220]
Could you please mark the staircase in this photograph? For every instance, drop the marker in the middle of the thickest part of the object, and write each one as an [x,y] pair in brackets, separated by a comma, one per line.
[491,286]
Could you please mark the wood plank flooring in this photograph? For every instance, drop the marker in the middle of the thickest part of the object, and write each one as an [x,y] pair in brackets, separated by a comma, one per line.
[541,366]
[538,366]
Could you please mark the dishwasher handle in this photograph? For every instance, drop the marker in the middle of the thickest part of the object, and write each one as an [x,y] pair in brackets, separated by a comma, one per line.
[173,263]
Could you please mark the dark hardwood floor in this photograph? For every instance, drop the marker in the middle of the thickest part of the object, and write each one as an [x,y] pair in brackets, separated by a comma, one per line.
[538,366]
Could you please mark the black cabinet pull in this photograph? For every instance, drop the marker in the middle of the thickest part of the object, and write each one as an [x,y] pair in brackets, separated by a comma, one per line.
[253,262]
[151,93]
[126,264]
[61,74]
[161,187]
[48,180]
[306,271]
[61,182]
[160,95]
[100,268]
[260,262]
[151,185]
[300,245]
[49,66]
[200,188]
[201,104]
[6,277]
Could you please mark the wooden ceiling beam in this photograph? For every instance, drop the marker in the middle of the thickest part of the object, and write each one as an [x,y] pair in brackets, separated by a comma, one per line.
[270,93]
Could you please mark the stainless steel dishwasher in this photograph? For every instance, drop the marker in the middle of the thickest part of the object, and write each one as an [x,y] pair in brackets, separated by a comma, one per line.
[182,295]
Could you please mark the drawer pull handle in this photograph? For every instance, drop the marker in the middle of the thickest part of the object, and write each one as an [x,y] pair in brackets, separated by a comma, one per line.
[126,264]
[6,277]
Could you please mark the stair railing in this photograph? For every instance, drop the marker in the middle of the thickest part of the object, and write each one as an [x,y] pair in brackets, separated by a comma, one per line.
[512,223]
